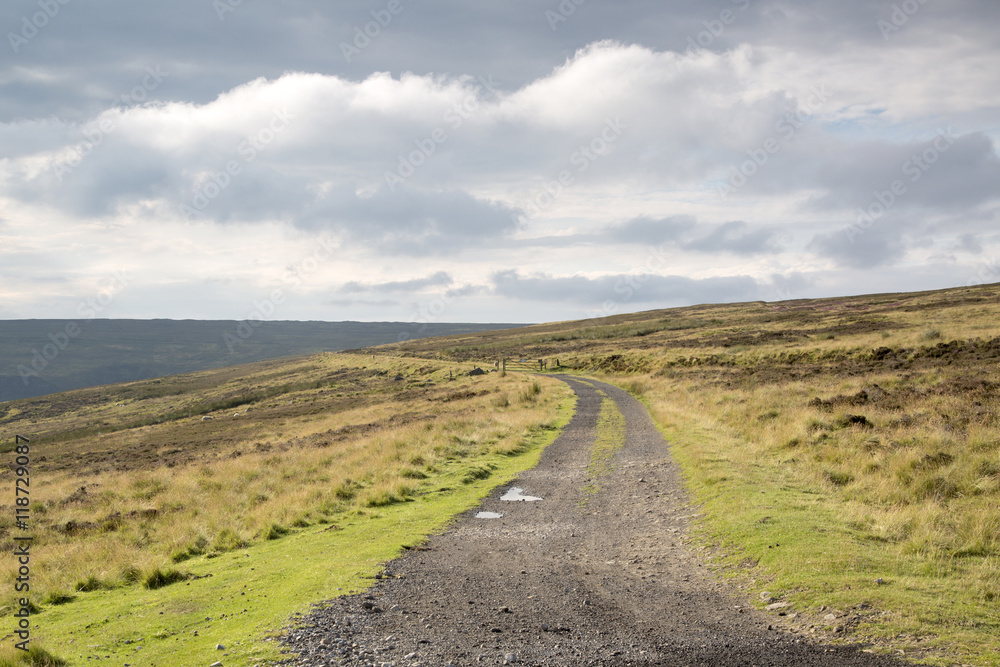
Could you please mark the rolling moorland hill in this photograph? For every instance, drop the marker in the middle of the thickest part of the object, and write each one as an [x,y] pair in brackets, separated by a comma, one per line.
[843,454]
[173,514]
[39,357]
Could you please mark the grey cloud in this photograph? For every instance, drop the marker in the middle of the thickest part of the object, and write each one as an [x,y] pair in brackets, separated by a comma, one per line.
[880,245]
[793,285]
[970,243]
[439,279]
[112,40]
[685,233]
[415,222]
[345,303]
[735,237]
[467,290]
[623,289]
[651,231]
[408,221]
[941,173]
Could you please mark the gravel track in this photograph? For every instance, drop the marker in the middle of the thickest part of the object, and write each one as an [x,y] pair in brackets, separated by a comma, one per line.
[610,581]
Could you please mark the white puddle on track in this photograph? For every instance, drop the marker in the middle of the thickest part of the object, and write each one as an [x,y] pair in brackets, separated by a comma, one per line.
[516,493]
[489,515]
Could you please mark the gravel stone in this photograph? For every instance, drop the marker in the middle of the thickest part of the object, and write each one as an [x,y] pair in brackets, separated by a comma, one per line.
[651,599]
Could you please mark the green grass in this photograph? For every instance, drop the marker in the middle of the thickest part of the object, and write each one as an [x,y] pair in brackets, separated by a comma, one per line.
[610,438]
[843,453]
[774,530]
[35,656]
[242,597]
[831,443]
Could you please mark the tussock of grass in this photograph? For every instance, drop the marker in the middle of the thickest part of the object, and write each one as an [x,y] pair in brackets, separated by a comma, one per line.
[35,656]
[90,584]
[159,578]
[530,393]
[275,531]
[501,401]
[58,597]
[476,473]
[635,387]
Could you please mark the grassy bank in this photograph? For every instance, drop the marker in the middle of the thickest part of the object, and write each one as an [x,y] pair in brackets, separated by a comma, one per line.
[248,518]
[909,569]
[864,495]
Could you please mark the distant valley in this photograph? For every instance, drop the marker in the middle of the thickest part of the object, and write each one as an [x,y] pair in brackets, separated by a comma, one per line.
[39,357]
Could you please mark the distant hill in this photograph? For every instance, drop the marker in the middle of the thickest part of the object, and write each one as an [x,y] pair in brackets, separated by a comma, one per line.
[40,357]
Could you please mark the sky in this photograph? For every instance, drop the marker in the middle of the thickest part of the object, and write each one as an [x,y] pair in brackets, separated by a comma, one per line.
[498,161]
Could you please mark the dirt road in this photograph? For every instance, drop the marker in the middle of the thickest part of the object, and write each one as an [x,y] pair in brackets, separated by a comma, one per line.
[595,571]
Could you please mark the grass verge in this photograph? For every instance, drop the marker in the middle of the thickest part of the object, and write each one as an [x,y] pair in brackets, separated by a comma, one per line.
[799,538]
[141,533]
[240,598]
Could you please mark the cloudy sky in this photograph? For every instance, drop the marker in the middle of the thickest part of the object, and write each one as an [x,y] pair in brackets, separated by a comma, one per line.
[499,161]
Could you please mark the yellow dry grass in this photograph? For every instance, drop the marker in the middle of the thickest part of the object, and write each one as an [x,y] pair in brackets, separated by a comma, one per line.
[286,473]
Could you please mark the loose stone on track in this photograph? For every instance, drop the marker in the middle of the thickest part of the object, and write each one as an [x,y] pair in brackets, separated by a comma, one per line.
[601,578]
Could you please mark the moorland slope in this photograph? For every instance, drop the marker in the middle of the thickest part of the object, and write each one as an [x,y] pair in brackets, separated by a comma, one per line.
[842,456]
[844,453]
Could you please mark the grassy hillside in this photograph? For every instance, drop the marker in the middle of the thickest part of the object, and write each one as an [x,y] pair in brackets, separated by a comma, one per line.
[39,357]
[845,452]
[178,513]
